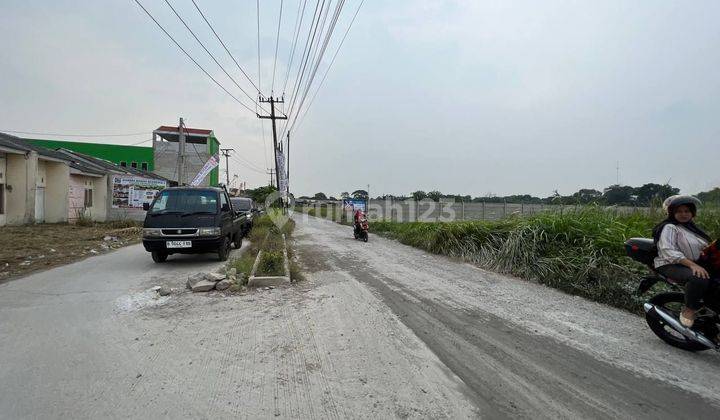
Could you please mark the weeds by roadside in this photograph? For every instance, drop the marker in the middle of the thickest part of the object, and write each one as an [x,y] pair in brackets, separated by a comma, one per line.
[266,236]
[580,253]
[26,249]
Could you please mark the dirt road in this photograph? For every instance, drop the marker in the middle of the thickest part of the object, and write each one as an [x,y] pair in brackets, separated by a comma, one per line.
[378,330]
[521,350]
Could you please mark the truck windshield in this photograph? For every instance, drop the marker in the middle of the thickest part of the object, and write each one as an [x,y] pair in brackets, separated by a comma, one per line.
[185,201]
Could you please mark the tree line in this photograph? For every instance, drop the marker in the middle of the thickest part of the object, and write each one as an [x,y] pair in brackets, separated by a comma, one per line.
[649,194]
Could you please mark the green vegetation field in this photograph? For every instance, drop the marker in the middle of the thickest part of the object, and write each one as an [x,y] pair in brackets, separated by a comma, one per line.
[580,253]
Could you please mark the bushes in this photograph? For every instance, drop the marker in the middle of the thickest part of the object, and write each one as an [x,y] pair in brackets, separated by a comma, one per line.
[580,253]
[266,236]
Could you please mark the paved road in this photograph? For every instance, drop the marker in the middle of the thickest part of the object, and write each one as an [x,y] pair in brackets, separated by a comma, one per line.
[378,330]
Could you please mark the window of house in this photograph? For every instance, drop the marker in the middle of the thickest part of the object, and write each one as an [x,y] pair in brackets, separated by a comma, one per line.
[88,197]
[133,164]
[123,163]
[144,166]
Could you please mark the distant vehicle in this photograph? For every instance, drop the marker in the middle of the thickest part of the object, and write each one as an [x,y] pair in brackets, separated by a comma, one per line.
[191,220]
[245,208]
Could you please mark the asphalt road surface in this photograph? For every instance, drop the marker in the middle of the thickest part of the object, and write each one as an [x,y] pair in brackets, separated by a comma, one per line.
[378,329]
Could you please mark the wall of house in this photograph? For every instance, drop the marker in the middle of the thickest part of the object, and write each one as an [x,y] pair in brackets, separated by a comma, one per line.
[20,188]
[57,185]
[3,206]
[76,197]
[100,198]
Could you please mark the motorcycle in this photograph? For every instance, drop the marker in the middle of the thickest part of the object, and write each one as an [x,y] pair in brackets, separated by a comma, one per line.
[361,229]
[662,311]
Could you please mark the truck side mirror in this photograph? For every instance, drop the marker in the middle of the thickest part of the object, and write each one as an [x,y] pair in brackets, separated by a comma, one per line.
[146,206]
[225,207]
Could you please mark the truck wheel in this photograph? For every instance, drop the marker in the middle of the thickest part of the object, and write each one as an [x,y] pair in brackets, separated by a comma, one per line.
[237,241]
[159,257]
[224,250]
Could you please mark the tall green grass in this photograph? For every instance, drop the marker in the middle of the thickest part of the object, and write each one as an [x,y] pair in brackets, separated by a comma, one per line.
[580,253]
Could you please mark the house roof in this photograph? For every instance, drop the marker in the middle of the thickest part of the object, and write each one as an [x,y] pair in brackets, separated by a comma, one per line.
[78,161]
[12,142]
[192,135]
[103,166]
[192,131]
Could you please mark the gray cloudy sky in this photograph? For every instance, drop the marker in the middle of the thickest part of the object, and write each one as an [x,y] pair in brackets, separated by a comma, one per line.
[470,97]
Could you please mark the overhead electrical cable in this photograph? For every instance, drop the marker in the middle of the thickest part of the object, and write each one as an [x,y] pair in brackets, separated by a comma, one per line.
[277,42]
[244,164]
[327,70]
[321,53]
[262,124]
[209,53]
[298,25]
[315,63]
[191,57]
[306,54]
[224,46]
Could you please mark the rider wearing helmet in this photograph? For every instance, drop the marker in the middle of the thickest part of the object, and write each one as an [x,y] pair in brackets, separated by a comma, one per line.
[679,243]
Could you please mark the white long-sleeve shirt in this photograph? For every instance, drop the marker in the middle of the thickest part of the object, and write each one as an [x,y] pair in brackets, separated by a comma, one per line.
[677,243]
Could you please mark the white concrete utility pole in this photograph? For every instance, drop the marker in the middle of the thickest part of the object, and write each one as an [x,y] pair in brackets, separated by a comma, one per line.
[181,153]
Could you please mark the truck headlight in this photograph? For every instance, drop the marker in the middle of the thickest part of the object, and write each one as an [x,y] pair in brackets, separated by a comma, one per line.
[209,231]
[152,232]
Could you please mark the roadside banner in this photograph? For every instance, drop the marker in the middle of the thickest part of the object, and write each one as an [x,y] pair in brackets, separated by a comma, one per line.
[209,166]
[352,204]
[133,191]
[282,176]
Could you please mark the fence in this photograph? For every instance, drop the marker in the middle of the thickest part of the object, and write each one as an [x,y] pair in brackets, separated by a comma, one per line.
[431,211]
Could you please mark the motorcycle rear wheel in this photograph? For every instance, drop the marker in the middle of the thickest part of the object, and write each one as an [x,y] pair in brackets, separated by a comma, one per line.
[673,303]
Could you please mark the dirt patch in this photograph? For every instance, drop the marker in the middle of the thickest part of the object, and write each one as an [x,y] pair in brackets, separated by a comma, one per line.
[27,249]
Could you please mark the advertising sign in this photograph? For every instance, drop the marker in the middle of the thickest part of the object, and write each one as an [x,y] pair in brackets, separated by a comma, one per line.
[133,191]
[209,166]
[282,176]
[352,204]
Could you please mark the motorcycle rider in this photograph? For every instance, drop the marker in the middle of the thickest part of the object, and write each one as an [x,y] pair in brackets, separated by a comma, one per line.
[359,215]
[679,243]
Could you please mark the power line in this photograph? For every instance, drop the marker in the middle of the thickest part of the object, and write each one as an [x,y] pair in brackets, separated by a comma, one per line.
[247,162]
[75,135]
[224,46]
[208,52]
[306,53]
[233,157]
[298,25]
[258,42]
[277,42]
[316,65]
[342,41]
[190,57]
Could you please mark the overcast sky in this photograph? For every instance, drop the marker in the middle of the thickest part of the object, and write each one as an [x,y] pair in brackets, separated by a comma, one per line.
[469,97]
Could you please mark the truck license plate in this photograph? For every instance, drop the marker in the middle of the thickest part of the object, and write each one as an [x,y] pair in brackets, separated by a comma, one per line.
[178,244]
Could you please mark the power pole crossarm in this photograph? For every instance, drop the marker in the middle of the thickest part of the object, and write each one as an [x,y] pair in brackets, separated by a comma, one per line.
[272,101]
[226,153]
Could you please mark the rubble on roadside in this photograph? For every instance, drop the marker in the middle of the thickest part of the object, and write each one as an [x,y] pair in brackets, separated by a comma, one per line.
[222,279]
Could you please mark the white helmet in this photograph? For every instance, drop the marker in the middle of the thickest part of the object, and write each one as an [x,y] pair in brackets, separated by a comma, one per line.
[678,200]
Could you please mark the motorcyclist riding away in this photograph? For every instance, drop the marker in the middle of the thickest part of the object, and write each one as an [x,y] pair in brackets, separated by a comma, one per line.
[680,243]
[359,215]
